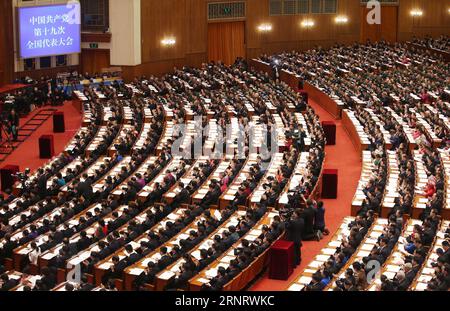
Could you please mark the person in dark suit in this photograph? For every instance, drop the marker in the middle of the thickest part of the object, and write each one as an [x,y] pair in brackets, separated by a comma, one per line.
[84,188]
[308,216]
[445,257]
[133,256]
[182,197]
[146,277]
[7,283]
[211,196]
[84,286]
[240,197]
[42,183]
[115,271]
[48,277]
[316,284]
[217,282]
[165,259]
[8,247]
[83,242]
[13,120]
[384,250]
[294,229]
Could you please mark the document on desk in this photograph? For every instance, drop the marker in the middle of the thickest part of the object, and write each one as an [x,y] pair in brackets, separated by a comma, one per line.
[211,273]
[334,244]
[315,264]
[328,251]
[322,258]
[217,215]
[305,280]
[196,254]
[106,265]
[296,287]
[203,280]
[166,275]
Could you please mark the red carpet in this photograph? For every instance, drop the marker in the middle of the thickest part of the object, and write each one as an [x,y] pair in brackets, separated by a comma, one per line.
[344,157]
[27,154]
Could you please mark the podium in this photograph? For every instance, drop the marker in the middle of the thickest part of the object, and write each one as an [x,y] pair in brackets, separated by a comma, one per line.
[329,184]
[58,122]
[329,129]
[6,176]
[46,147]
[281,260]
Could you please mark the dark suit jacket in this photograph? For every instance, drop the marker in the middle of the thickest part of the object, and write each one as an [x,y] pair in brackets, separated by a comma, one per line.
[9,285]
[294,230]
[164,262]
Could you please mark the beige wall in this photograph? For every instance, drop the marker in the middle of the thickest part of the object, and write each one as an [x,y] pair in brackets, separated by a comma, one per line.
[125,28]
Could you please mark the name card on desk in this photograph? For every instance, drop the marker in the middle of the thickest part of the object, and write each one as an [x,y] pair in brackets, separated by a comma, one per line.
[136,271]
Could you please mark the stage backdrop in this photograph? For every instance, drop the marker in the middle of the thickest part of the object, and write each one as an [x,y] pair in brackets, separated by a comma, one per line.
[49,30]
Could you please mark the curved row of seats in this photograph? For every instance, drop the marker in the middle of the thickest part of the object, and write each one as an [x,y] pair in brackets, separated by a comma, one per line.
[112,197]
[394,99]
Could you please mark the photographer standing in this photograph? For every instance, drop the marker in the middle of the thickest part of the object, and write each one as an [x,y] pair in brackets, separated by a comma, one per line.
[13,120]
[294,229]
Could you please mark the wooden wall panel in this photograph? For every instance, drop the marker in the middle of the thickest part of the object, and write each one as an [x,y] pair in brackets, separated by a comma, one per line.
[162,19]
[186,20]
[387,30]
[94,60]
[389,23]
[287,33]
[6,43]
[369,32]
[435,20]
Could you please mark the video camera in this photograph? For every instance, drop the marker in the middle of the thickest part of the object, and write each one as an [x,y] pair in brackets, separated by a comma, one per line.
[23,175]
[23,178]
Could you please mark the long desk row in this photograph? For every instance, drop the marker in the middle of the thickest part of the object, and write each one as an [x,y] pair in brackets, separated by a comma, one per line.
[394,262]
[420,200]
[271,172]
[224,261]
[331,104]
[363,250]
[366,174]
[427,271]
[296,179]
[322,257]
[445,160]
[230,194]
[391,192]
[355,130]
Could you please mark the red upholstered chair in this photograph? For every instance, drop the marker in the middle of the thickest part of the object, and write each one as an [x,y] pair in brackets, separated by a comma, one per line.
[46,147]
[329,184]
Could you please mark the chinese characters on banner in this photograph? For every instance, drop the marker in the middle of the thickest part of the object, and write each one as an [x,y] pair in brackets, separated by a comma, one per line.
[48,31]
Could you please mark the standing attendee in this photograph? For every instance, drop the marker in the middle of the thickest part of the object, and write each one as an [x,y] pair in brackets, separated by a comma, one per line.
[295,227]
[319,220]
[13,119]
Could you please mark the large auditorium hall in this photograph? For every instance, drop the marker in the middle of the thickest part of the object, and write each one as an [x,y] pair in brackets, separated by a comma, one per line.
[217,154]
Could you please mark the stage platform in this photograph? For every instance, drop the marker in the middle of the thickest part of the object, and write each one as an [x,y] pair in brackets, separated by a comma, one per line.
[9,88]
